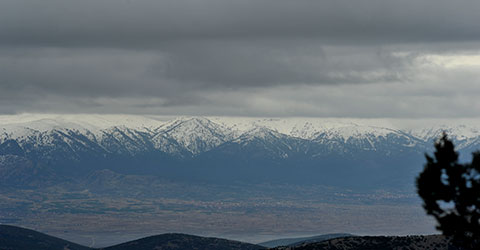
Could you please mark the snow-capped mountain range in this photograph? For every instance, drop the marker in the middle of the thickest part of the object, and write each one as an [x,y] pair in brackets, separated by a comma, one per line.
[166,144]
[201,134]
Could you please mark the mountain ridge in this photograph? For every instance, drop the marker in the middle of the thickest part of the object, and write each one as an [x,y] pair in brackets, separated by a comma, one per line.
[305,128]
[226,149]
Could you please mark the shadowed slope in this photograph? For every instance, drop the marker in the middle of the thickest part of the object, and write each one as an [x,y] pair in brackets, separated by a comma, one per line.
[17,238]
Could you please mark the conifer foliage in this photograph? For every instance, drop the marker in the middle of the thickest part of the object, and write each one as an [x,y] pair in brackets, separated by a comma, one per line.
[451,193]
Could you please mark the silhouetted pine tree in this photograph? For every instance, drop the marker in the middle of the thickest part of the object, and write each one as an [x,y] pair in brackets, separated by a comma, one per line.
[451,193]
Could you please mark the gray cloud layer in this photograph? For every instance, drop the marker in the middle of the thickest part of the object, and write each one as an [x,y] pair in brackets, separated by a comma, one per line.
[248,57]
[151,23]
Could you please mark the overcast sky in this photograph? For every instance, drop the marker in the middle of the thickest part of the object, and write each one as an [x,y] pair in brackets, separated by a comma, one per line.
[334,58]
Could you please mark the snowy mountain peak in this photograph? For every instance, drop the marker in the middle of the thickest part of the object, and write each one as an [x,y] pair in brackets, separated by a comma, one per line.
[22,124]
[459,132]
[357,131]
[259,132]
[196,134]
[187,123]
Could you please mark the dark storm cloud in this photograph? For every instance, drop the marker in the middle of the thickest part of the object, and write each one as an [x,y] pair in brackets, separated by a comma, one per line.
[189,67]
[222,56]
[150,23]
[222,64]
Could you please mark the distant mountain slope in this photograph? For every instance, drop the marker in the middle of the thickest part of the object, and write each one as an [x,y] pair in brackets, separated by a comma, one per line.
[183,242]
[301,240]
[17,238]
[19,172]
[436,242]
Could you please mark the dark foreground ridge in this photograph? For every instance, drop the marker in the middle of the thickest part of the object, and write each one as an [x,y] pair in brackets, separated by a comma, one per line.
[17,238]
[437,242]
